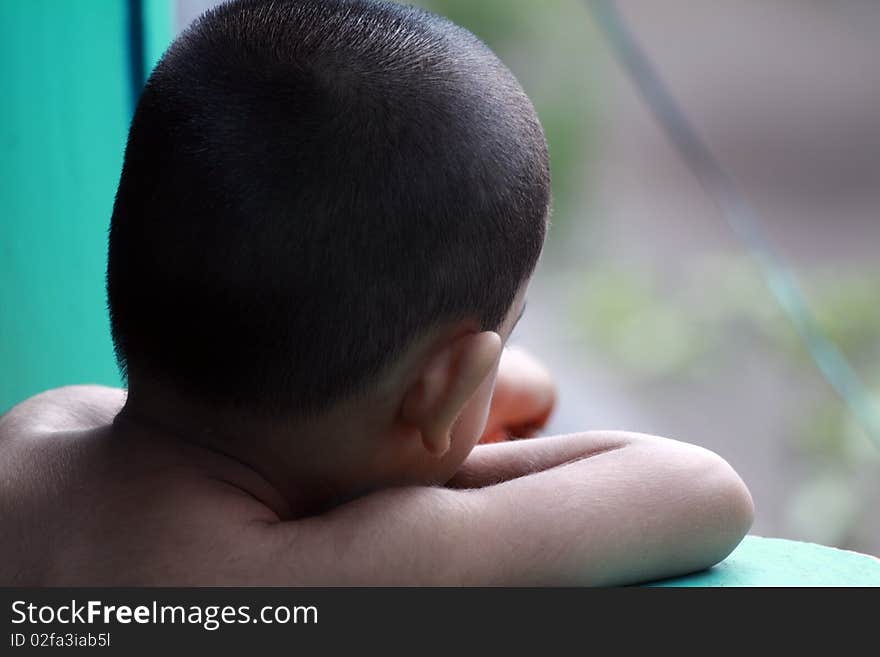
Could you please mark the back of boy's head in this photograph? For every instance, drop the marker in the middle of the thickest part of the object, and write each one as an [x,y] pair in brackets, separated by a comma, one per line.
[308,187]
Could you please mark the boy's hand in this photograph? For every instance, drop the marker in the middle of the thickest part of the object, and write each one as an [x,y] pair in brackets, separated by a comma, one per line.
[523,399]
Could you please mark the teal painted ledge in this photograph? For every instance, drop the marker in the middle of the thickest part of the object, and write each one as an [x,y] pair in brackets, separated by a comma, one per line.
[761,561]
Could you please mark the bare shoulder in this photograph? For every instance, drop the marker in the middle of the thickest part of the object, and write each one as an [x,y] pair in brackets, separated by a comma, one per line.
[80,519]
[67,408]
[82,505]
[194,531]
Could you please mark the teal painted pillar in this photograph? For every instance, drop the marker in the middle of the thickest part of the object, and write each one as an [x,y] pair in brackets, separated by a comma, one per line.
[64,116]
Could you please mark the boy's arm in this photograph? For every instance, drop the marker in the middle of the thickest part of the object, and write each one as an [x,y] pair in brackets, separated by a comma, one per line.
[628,508]
[493,464]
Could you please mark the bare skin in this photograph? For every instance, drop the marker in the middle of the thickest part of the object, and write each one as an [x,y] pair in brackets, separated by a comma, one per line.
[81,505]
[92,495]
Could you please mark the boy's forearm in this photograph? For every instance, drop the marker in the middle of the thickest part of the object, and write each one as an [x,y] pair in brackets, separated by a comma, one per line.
[626,508]
[650,509]
[492,464]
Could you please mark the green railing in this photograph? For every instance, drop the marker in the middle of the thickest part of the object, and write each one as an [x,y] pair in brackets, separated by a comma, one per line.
[777,562]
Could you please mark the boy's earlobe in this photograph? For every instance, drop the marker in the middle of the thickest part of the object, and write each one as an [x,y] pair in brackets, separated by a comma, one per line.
[448,381]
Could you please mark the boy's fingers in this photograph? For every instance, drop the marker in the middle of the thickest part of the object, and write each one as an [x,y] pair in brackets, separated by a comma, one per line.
[524,397]
[524,389]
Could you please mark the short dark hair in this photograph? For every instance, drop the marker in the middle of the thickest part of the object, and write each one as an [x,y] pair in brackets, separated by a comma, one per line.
[310,185]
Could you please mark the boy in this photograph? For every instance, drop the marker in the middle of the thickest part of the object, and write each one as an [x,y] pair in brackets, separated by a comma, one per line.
[326,222]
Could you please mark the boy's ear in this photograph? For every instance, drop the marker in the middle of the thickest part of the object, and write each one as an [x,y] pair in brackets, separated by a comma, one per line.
[448,379]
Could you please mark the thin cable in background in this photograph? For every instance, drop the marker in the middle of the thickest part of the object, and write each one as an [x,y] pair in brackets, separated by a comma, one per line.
[739,215]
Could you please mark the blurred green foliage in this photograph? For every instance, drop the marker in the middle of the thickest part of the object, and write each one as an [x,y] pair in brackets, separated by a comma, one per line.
[673,332]
[636,327]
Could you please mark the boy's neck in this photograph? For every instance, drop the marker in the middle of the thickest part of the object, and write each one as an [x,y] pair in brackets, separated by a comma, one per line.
[250,458]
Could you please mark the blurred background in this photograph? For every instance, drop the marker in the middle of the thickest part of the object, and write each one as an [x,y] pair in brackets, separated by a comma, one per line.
[647,308]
